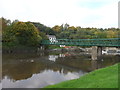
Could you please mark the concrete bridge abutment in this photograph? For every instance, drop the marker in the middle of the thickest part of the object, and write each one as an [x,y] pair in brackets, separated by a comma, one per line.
[96,52]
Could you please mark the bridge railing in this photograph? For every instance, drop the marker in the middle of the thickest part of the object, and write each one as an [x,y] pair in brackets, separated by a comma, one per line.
[84,42]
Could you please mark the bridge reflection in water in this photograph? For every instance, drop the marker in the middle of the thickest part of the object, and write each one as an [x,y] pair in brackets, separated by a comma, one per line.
[39,70]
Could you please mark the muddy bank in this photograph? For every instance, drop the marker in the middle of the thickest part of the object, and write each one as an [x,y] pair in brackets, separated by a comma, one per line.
[21,50]
[70,50]
[34,49]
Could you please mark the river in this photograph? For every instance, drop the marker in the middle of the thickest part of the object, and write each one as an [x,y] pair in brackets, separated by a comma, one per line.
[37,70]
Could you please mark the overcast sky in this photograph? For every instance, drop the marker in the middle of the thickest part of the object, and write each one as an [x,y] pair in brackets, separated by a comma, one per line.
[84,13]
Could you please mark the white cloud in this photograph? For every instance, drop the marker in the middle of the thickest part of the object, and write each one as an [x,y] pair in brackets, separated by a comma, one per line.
[106,16]
[53,12]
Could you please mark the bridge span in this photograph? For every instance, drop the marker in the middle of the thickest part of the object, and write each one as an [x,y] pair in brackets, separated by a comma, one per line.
[113,42]
[96,44]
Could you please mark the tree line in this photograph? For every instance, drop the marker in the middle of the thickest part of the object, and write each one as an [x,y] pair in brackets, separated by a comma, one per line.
[65,31]
[30,34]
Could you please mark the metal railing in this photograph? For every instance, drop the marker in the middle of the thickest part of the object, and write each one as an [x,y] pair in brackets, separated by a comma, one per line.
[83,42]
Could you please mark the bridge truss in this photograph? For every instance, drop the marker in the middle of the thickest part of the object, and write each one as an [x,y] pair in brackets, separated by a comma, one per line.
[113,42]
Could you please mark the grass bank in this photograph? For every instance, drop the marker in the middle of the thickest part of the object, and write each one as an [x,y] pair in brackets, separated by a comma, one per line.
[101,78]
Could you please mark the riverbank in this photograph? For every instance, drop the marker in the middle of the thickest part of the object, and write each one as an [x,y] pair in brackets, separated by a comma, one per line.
[54,48]
[101,78]
[19,49]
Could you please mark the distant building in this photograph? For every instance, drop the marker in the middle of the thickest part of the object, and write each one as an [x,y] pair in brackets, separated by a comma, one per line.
[62,45]
[52,38]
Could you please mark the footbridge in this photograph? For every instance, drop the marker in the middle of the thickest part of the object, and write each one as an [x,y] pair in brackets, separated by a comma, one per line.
[113,42]
[96,44]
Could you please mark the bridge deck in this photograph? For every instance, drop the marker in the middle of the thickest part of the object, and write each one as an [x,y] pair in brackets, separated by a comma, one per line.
[113,42]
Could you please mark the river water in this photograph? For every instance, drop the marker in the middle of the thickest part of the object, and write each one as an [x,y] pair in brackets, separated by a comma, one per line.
[37,70]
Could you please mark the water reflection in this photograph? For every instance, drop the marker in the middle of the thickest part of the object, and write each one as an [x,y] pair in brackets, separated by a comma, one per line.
[46,77]
[53,57]
[36,70]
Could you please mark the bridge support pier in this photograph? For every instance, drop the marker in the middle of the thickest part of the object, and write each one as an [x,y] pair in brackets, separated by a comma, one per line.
[99,51]
[96,51]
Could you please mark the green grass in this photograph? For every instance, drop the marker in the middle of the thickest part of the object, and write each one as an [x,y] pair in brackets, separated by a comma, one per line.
[101,78]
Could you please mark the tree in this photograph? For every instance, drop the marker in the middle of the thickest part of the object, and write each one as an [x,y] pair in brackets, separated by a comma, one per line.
[4,23]
[56,28]
[72,28]
[23,34]
[63,35]
[49,31]
[111,34]
[100,34]
[65,27]
[27,34]
[43,28]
